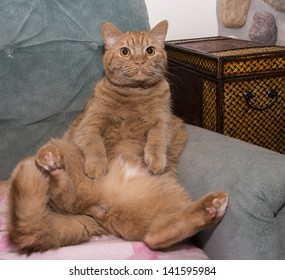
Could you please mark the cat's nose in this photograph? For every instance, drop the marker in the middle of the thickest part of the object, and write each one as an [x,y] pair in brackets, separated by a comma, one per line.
[139,61]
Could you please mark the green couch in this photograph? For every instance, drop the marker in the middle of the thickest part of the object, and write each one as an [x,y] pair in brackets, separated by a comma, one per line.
[50,60]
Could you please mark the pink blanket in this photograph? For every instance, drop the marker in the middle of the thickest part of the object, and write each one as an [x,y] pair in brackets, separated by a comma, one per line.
[98,248]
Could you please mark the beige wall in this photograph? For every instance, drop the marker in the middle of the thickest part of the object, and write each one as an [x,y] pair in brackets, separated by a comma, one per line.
[187,18]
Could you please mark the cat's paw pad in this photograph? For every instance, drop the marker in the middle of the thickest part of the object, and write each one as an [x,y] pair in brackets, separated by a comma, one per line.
[218,205]
[49,158]
[96,167]
[156,162]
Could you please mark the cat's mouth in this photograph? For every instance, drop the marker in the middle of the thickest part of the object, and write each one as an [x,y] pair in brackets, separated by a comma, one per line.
[136,76]
[139,73]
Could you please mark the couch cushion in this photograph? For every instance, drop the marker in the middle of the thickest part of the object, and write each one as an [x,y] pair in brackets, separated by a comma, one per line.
[50,59]
[255,180]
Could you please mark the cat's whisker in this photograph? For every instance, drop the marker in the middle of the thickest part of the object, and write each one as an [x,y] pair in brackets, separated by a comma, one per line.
[170,77]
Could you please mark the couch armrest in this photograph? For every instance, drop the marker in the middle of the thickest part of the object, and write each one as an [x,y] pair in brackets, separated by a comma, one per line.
[255,180]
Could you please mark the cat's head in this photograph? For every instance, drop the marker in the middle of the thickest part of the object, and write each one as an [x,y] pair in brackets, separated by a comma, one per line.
[135,59]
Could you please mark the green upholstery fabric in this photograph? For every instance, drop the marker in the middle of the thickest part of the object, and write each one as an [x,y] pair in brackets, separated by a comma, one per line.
[254,225]
[50,59]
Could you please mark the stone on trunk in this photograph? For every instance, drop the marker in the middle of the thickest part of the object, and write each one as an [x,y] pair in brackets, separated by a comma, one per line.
[263,28]
[233,13]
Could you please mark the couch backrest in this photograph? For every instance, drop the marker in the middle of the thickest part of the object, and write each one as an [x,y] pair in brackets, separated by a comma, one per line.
[50,59]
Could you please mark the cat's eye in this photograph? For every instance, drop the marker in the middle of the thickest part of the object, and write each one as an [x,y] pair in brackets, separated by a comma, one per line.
[150,51]
[125,52]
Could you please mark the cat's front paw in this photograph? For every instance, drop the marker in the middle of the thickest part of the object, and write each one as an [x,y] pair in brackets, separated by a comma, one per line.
[156,162]
[49,158]
[96,167]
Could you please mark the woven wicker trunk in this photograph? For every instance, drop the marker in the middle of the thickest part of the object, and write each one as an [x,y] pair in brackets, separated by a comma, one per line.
[231,86]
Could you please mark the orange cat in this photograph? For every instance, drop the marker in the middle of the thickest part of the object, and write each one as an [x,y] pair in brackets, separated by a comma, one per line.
[125,135]
[129,111]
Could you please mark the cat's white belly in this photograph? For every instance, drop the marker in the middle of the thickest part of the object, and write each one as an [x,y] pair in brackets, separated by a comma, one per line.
[130,171]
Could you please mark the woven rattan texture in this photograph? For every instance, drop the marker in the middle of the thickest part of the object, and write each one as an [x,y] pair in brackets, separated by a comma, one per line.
[246,51]
[193,60]
[209,106]
[254,66]
[229,73]
[264,128]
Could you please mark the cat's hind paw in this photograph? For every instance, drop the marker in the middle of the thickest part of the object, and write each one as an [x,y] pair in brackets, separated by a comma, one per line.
[218,205]
[49,158]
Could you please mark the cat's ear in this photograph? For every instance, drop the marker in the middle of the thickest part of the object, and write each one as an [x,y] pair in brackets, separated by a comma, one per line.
[111,34]
[159,31]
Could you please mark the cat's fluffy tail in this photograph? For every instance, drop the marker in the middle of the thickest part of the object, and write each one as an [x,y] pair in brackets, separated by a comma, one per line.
[32,225]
